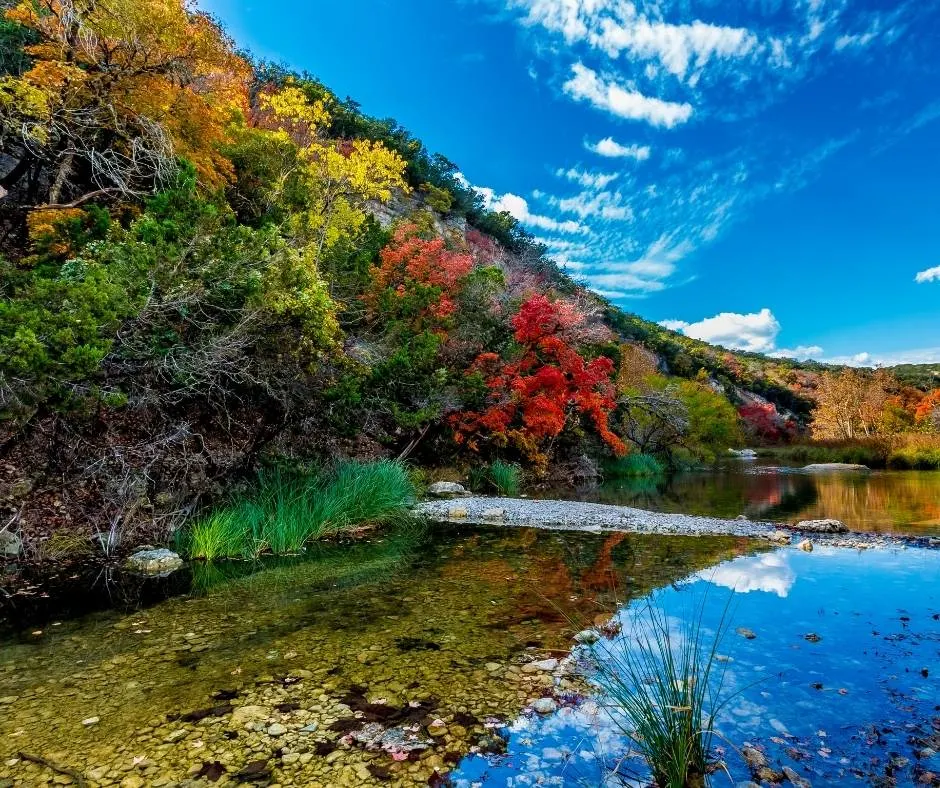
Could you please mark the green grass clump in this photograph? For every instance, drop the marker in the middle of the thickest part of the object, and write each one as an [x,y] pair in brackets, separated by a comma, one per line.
[286,510]
[665,689]
[635,465]
[506,478]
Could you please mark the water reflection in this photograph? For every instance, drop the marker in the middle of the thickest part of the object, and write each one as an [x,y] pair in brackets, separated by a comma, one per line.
[891,501]
[854,704]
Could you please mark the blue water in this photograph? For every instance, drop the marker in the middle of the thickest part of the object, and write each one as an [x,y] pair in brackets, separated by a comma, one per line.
[858,707]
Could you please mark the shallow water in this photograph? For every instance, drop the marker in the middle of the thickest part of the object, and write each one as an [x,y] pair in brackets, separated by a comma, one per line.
[270,668]
[888,501]
[857,707]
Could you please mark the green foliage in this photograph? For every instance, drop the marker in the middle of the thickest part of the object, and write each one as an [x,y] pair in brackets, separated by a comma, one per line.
[713,426]
[633,465]
[287,510]
[506,478]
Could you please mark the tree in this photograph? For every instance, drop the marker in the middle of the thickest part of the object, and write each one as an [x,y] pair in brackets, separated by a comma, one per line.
[850,404]
[117,91]
[544,387]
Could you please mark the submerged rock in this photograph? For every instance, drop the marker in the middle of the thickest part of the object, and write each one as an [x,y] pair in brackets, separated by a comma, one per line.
[587,637]
[824,526]
[540,665]
[10,544]
[744,632]
[806,546]
[446,490]
[545,705]
[154,562]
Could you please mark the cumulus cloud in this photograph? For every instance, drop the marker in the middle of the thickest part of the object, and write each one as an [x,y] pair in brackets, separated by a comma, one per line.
[612,149]
[755,332]
[605,93]
[589,180]
[930,275]
[770,573]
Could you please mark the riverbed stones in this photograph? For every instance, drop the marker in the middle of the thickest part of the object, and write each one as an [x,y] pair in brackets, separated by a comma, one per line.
[779,537]
[826,525]
[154,562]
[447,490]
[10,544]
[458,513]
[806,546]
[747,634]
[545,705]
[493,513]
[586,637]
[276,729]
[89,721]
[542,665]
[754,758]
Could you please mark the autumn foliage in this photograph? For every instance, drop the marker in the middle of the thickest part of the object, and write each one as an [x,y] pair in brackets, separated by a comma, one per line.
[544,387]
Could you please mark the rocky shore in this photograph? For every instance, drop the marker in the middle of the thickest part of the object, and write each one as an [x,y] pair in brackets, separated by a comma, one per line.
[597,517]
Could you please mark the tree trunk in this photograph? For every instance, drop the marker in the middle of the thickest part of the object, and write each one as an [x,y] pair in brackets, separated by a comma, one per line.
[61,176]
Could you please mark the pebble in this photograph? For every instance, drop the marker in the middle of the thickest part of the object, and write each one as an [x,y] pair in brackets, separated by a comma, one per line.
[587,637]
[540,665]
[806,546]
[744,632]
[89,721]
[545,705]
[276,729]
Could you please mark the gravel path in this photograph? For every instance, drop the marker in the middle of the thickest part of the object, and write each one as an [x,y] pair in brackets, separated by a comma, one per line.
[596,517]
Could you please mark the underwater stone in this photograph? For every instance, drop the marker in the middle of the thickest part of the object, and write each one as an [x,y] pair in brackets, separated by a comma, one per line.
[154,561]
[540,665]
[91,721]
[10,544]
[545,705]
[746,633]
[276,729]
[587,636]
[806,546]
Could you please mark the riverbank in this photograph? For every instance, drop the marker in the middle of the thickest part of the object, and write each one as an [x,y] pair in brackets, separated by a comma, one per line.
[597,517]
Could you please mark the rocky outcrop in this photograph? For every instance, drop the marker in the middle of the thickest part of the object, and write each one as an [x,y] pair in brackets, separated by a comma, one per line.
[825,526]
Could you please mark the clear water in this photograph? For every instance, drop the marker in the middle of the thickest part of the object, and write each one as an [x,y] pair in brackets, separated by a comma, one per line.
[858,707]
[888,501]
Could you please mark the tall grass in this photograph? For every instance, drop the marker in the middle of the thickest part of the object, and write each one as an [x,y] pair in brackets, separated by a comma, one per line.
[665,688]
[635,465]
[503,478]
[286,510]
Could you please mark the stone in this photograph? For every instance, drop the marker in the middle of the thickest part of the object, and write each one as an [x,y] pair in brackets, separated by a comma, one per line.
[780,537]
[812,637]
[540,665]
[754,758]
[491,667]
[437,728]
[458,513]
[447,490]
[154,562]
[10,544]
[244,714]
[276,729]
[587,637]
[493,514]
[8,699]
[806,546]
[89,721]
[824,526]
[545,705]
[744,632]
[823,467]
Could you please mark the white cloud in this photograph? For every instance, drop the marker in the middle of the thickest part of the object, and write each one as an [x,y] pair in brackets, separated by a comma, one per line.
[755,332]
[930,275]
[770,573]
[606,94]
[617,28]
[518,208]
[855,40]
[647,274]
[590,180]
[612,149]
[800,352]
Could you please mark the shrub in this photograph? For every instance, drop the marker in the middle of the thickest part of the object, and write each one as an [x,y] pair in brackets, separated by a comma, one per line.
[506,478]
[635,465]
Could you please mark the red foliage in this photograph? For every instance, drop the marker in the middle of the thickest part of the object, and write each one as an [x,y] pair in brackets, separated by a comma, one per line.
[532,397]
[928,406]
[409,259]
[763,421]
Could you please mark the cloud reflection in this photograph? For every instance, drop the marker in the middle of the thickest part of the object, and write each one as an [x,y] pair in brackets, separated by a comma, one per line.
[771,573]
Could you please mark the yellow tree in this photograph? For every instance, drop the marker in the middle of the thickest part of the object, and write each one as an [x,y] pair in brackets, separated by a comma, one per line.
[850,404]
[117,90]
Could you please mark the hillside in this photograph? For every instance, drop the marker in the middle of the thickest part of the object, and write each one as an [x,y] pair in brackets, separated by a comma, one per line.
[212,266]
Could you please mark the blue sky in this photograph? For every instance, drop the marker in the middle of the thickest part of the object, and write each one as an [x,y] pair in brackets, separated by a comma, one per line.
[761,174]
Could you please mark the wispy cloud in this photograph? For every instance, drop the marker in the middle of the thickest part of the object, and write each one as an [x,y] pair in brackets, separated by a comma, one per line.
[589,180]
[605,93]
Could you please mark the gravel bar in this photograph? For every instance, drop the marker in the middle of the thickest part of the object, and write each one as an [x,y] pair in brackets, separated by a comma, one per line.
[597,517]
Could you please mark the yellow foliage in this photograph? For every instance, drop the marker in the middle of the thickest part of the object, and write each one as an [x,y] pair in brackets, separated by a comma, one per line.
[44,227]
